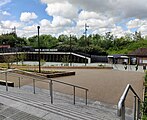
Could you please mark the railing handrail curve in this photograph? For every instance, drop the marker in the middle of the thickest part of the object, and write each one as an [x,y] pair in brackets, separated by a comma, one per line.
[123,97]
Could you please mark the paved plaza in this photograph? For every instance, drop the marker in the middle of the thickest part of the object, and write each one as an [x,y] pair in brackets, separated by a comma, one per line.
[105,85]
[105,88]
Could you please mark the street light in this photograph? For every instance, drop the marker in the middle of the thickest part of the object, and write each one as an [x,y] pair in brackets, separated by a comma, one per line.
[70,53]
[38,27]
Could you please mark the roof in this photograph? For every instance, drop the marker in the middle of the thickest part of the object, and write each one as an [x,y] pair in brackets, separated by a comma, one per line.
[117,56]
[139,52]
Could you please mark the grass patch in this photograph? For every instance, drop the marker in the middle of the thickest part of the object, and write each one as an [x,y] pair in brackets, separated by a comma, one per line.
[3,65]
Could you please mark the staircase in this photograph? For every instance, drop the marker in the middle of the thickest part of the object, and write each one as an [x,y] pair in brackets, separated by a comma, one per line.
[28,106]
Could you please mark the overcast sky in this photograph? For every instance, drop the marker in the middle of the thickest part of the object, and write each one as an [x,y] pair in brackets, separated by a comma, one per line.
[57,17]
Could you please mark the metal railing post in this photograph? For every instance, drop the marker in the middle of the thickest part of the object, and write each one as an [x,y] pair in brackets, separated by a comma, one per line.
[50,84]
[134,107]
[138,110]
[19,82]
[86,96]
[6,81]
[123,111]
[34,86]
[51,91]
[74,93]
[121,104]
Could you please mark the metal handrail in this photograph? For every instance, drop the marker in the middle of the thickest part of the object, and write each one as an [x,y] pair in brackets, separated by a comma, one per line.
[44,78]
[121,103]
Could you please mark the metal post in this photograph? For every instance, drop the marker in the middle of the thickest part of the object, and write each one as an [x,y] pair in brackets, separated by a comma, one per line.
[19,82]
[134,107]
[38,27]
[123,111]
[86,96]
[138,111]
[6,81]
[74,92]
[51,91]
[34,85]
[70,53]
[85,32]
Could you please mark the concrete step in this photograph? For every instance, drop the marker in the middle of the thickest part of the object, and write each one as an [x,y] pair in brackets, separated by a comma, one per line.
[63,106]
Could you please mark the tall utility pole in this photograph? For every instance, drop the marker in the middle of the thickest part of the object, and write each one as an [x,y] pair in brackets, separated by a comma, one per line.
[85,32]
[38,27]
[14,30]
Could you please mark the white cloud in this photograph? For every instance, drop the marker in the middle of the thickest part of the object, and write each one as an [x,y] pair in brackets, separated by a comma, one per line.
[6,26]
[84,15]
[27,16]
[45,23]
[70,16]
[52,1]
[143,28]
[5,13]
[64,9]
[10,24]
[95,20]
[4,2]
[135,23]
[118,31]
[60,21]
[121,8]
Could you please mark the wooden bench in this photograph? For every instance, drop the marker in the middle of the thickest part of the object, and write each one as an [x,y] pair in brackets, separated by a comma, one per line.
[3,82]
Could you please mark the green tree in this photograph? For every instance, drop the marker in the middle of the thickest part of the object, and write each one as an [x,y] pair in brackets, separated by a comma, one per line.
[21,57]
[9,59]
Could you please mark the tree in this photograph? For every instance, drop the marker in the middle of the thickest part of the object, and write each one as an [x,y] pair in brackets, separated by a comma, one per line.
[42,62]
[21,57]
[9,59]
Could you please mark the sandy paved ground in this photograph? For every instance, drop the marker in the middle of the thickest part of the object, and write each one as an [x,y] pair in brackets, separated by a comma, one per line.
[104,85]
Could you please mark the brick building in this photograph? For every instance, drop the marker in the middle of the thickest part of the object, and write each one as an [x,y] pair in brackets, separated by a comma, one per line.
[140,55]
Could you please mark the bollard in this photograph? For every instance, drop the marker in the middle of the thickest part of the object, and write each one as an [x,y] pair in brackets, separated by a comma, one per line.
[134,107]
[51,91]
[86,97]
[19,82]
[74,92]
[6,81]
[34,85]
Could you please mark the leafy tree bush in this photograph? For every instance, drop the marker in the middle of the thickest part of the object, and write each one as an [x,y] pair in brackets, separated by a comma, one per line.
[9,59]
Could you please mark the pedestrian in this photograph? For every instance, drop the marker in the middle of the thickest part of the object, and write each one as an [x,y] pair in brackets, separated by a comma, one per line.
[136,67]
[125,66]
[144,67]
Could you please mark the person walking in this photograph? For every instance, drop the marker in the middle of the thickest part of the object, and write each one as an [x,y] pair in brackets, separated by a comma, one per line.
[136,67]
[125,66]
[144,67]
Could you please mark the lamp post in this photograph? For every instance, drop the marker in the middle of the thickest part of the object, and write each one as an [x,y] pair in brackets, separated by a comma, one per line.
[70,53]
[38,27]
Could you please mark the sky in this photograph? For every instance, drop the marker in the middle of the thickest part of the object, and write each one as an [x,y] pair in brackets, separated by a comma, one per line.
[56,17]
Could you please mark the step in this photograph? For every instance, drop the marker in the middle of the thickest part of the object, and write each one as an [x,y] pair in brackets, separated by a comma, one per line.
[61,106]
